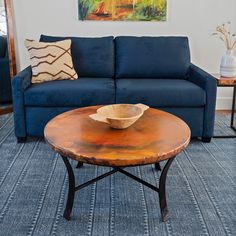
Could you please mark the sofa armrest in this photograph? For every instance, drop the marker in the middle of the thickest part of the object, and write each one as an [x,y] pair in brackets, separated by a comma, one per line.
[19,84]
[22,80]
[208,83]
[5,81]
[4,61]
[5,68]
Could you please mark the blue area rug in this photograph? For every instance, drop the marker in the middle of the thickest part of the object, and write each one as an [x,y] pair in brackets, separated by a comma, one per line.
[201,192]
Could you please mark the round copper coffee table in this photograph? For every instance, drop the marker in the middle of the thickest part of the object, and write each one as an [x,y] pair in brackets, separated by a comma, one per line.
[155,137]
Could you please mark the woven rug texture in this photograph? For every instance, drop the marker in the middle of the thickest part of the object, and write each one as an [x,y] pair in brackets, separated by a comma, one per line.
[201,192]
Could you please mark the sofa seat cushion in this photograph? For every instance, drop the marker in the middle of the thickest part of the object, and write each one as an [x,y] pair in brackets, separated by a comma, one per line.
[160,92]
[68,93]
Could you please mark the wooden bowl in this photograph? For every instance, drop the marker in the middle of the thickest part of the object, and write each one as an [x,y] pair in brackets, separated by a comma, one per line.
[119,116]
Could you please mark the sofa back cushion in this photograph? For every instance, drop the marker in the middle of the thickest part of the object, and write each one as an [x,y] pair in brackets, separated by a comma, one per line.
[92,57]
[152,57]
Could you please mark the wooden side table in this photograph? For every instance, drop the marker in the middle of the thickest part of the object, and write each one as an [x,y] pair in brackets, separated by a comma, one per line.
[228,82]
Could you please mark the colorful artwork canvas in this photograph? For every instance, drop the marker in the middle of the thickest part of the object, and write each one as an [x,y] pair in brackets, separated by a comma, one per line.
[123,10]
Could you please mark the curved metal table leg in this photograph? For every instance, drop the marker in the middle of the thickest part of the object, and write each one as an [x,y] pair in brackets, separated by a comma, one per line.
[79,164]
[71,192]
[157,166]
[162,191]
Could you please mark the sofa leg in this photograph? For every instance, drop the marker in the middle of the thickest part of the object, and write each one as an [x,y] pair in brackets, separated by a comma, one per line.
[206,140]
[21,139]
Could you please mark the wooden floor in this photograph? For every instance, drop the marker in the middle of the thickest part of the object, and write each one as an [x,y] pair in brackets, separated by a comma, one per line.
[6,108]
[223,112]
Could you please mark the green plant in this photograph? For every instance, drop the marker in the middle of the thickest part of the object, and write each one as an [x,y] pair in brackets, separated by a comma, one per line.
[147,10]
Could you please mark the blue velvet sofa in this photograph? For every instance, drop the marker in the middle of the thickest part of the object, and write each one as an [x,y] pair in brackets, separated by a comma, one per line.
[156,71]
[5,78]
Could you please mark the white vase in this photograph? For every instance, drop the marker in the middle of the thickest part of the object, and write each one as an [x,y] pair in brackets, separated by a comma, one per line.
[228,64]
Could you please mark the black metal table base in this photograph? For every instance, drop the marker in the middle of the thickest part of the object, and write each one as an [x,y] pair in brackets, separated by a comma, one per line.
[227,136]
[73,188]
[224,136]
[232,117]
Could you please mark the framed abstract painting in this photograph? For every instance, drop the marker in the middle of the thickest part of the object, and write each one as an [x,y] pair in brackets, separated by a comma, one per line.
[123,10]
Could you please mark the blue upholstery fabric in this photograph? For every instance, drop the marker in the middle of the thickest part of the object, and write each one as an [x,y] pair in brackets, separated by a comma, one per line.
[5,81]
[160,92]
[3,46]
[79,93]
[5,78]
[152,57]
[208,83]
[92,57]
[19,84]
[194,117]
[154,71]
[40,116]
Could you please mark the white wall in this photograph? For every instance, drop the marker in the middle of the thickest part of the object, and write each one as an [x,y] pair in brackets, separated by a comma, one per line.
[195,18]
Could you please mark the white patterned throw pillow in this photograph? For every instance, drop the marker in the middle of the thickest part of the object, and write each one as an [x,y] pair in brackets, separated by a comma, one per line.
[51,61]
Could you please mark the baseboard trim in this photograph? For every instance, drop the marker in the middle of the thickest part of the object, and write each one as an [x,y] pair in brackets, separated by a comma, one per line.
[224,103]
